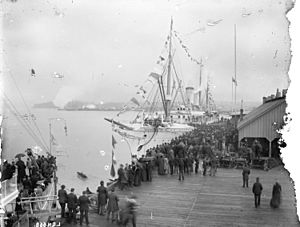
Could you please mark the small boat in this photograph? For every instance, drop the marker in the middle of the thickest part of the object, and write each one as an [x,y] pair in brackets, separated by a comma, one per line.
[81,175]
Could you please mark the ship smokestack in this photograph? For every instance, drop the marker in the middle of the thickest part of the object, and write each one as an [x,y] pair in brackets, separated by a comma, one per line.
[189,94]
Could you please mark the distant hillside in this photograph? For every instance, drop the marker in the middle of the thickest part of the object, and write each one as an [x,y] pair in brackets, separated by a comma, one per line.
[45,105]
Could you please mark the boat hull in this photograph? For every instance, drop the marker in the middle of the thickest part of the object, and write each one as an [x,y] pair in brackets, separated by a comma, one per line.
[141,138]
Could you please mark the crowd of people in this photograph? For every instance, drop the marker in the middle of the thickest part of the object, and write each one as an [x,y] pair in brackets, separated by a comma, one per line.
[36,174]
[194,152]
[33,177]
[107,205]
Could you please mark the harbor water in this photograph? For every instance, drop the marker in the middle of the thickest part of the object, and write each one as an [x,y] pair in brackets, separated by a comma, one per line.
[86,148]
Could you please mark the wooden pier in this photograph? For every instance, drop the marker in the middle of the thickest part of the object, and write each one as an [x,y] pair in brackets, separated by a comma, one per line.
[210,201]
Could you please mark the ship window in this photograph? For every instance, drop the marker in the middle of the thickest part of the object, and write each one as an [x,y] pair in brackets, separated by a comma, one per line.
[183,116]
[178,116]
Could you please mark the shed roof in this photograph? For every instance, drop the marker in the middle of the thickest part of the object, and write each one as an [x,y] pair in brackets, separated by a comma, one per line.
[260,111]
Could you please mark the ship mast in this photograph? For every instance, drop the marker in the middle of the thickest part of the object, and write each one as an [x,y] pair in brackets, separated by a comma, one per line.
[234,80]
[207,96]
[200,81]
[168,96]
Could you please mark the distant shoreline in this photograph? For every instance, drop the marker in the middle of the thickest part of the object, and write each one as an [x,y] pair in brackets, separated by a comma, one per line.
[61,109]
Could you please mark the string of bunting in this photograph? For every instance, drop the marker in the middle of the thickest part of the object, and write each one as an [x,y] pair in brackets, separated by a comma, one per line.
[184,47]
[161,59]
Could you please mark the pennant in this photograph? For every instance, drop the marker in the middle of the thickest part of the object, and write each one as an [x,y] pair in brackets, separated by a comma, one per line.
[112,170]
[53,140]
[161,58]
[113,159]
[113,141]
[33,73]
[155,75]
[143,90]
[234,81]
[140,148]
[135,101]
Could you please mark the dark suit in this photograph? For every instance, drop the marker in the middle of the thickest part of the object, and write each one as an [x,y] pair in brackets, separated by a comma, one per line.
[63,199]
[102,199]
[181,169]
[149,171]
[84,202]
[246,172]
[257,189]
[72,205]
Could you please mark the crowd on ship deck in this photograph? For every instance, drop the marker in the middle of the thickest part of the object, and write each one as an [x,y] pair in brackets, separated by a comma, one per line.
[33,177]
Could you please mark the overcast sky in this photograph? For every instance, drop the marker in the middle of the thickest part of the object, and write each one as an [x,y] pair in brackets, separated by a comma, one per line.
[104,48]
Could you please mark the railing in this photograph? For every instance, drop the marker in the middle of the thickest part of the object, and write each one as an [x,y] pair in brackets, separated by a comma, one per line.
[9,190]
[40,203]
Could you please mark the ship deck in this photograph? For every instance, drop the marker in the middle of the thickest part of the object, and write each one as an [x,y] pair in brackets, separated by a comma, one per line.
[210,201]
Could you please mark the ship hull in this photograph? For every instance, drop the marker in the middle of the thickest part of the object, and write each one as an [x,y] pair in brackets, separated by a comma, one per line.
[141,138]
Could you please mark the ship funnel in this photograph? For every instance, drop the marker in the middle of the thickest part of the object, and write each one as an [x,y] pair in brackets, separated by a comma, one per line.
[189,94]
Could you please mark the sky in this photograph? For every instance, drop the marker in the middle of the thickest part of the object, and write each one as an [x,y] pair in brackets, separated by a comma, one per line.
[104,48]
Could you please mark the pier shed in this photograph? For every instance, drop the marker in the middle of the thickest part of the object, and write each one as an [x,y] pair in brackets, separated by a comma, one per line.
[264,121]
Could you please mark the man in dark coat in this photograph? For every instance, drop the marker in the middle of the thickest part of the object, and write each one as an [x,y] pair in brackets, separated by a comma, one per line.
[171,161]
[83,203]
[62,199]
[148,170]
[196,164]
[102,198]
[257,148]
[160,165]
[72,205]
[137,175]
[181,169]
[112,205]
[245,173]
[21,170]
[130,175]
[185,165]
[122,177]
[257,189]
[204,166]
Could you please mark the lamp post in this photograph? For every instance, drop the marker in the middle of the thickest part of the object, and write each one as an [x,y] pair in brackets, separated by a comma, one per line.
[51,138]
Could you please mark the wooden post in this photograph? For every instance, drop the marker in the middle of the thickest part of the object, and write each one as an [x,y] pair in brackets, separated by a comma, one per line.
[270,148]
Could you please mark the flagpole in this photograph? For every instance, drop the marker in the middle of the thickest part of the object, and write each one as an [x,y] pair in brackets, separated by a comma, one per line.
[54,172]
[235,65]
[51,138]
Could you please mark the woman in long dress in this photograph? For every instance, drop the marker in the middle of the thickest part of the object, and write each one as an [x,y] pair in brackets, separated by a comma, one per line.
[276,196]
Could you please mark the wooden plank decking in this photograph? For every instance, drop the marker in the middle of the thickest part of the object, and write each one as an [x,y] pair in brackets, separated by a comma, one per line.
[211,201]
